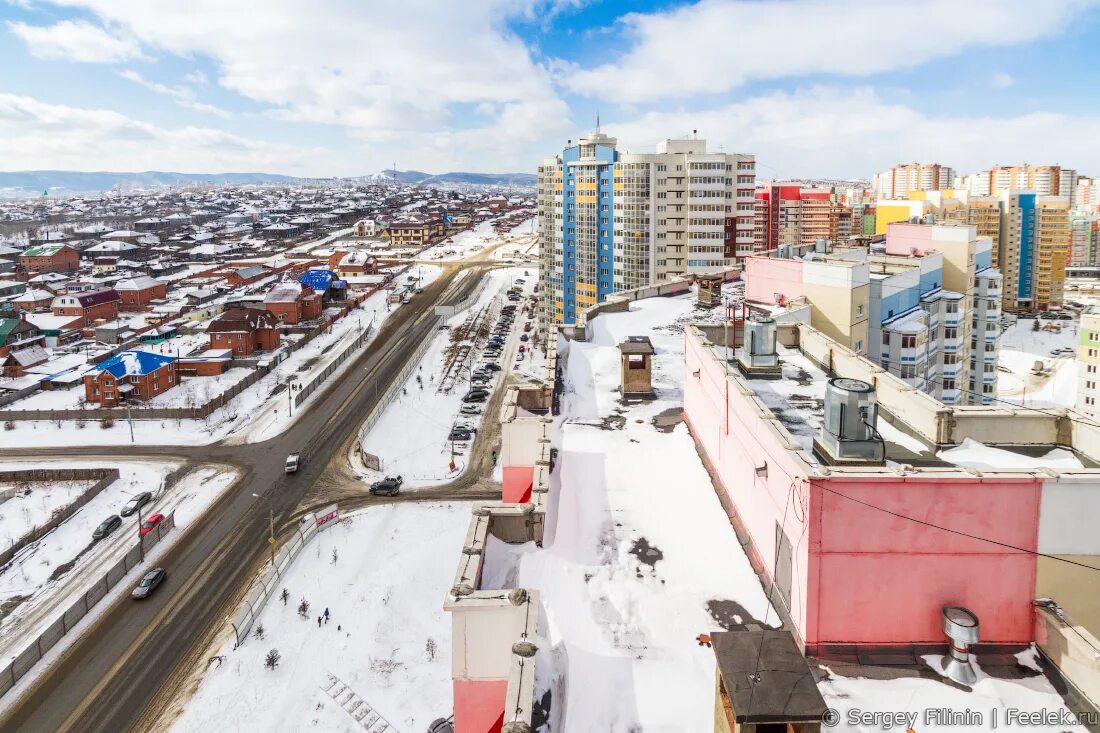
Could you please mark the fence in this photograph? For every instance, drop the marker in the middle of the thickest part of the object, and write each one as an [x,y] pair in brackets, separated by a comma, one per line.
[250,610]
[398,384]
[316,382]
[104,477]
[24,661]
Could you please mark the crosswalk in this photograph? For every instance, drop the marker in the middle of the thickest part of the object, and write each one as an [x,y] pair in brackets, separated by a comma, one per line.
[360,711]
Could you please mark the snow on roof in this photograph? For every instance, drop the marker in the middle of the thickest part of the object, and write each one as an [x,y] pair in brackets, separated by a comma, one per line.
[972,454]
[134,363]
[142,282]
[285,292]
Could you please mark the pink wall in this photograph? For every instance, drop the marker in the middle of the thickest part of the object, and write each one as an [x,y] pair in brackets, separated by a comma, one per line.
[479,705]
[766,276]
[903,238]
[861,575]
[517,483]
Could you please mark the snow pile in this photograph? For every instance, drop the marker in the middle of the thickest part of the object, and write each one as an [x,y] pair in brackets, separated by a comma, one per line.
[636,545]
[387,638]
[973,454]
[1021,347]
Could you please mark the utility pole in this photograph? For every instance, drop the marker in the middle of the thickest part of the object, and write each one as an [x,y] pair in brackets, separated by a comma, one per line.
[271,532]
[130,419]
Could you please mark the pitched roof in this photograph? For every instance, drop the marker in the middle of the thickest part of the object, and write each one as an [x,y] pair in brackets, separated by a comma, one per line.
[43,250]
[8,326]
[95,297]
[287,292]
[242,319]
[142,282]
[318,279]
[133,363]
[246,273]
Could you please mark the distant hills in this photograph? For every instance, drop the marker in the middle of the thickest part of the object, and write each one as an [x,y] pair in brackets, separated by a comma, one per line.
[21,184]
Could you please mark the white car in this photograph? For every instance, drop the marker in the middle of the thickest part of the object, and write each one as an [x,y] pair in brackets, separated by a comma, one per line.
[292,463]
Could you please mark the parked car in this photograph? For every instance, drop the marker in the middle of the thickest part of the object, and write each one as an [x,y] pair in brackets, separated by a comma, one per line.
[476,396]
[292,462]
[149,583]
[137,501]
[388,486]
[460,435]
[523,337]
[150,524]
[108,525]
[491,366]
[522,348]
[527,326]
[470,409]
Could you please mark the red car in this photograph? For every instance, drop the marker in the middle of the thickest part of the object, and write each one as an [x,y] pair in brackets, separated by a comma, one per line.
[150,522]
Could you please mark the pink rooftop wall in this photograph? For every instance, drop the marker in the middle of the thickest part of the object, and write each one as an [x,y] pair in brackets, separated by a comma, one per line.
[902,239]
[766,276]
[861,576]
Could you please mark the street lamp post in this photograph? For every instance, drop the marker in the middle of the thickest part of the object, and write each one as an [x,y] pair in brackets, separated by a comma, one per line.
[270,527]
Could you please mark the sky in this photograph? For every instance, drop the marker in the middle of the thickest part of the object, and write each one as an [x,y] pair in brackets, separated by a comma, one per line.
[813,88]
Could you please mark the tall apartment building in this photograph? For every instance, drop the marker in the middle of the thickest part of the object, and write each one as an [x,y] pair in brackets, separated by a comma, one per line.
[1087,194]
[1034,245]
[788,214]
[897,182]
[1088,365]
[926,307]
[981,212]
[611,220]
[1084,233]
[1045,180]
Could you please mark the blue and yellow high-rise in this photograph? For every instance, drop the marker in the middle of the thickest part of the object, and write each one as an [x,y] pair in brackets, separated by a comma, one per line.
[611,220]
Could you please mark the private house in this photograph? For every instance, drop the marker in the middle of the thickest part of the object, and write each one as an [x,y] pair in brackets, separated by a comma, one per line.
[246,275]
[355,262]
[365,228]
[138,292]
[47,258]
[325,283]
[34,300]
[131,375]
[244,331]
[87,307]
[293,302]
[409,233]
[21,345]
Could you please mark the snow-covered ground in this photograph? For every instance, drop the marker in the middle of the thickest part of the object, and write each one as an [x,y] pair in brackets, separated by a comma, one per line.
[917,699]
[411,437]
[387,638]
[1021,347]
[190,392]
[29,574]
[33,503]
[637,546]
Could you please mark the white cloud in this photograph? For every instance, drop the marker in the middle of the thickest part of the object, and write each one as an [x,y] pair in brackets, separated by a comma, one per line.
[1002,80]
[400,75]
[75,40]
[183,96]
[37,135]
[853,132]
[713,46]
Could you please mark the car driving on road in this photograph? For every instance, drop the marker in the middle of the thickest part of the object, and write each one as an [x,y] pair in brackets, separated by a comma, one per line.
[149,583]
[137,501]
[108,525]
[388,486]
[292,462]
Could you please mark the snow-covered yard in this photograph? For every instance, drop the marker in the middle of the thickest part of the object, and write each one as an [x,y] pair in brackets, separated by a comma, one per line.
[387,638]
[638,557]
[1021,347]
[411,437]
[32,503]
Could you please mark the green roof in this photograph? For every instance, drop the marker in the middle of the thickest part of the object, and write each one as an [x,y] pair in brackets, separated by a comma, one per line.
[42,250]
[7,325]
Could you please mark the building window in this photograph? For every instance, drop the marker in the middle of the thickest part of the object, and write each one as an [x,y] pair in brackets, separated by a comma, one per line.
[885,338]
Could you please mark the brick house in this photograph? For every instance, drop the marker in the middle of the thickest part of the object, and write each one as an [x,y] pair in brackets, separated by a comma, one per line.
[409,233]
[21,345]
[131,375]
[89,306]
[33,300]
[244,331]
[293,302]
[246,275]
[355,262]
[47,258]
[138,292]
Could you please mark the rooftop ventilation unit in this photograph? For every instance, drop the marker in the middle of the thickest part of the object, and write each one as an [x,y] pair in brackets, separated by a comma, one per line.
[784,251]
[849,436]
[821,246]
[758,358]
[961,627]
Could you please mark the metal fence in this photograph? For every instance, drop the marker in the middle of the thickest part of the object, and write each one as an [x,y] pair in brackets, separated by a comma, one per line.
[398,384]
[104,478]
[303,394]
[24,661]
[250,610]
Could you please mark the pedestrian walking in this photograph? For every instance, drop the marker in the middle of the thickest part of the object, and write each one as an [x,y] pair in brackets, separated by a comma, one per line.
[326,615]
[318,622]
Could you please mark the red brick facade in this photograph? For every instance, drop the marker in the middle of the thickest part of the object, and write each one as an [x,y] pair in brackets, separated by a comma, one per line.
[244,331]
[106,389]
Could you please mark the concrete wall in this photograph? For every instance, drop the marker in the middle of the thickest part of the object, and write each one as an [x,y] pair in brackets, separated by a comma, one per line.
[766,276]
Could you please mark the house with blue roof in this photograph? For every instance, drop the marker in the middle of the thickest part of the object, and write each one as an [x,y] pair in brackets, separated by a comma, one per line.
[326,283]
[130,375]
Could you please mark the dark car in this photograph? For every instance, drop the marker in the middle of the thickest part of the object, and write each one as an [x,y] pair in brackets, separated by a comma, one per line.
[110,524]
[460,435]
[149,583]
[475,397]
[523,337]
[137,501]
[388,486]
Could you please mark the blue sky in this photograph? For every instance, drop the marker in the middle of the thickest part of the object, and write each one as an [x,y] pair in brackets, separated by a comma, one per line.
[826,88]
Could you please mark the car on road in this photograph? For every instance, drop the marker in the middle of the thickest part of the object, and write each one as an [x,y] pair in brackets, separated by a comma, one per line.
[150,523]
[388,486]
[469,410]
[137,501]
[108,525]
[148,583]
[293,461]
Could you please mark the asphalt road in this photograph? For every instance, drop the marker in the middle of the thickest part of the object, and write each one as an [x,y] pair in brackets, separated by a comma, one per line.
[106,680]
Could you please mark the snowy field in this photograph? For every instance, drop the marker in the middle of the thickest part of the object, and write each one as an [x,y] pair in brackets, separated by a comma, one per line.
[190,392]
[411,437]
[1021,347]
[33,503]
[387,638]
[637,546]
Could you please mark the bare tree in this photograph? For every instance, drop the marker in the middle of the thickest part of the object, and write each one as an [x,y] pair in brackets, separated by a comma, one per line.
[271,661]
[303,608]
